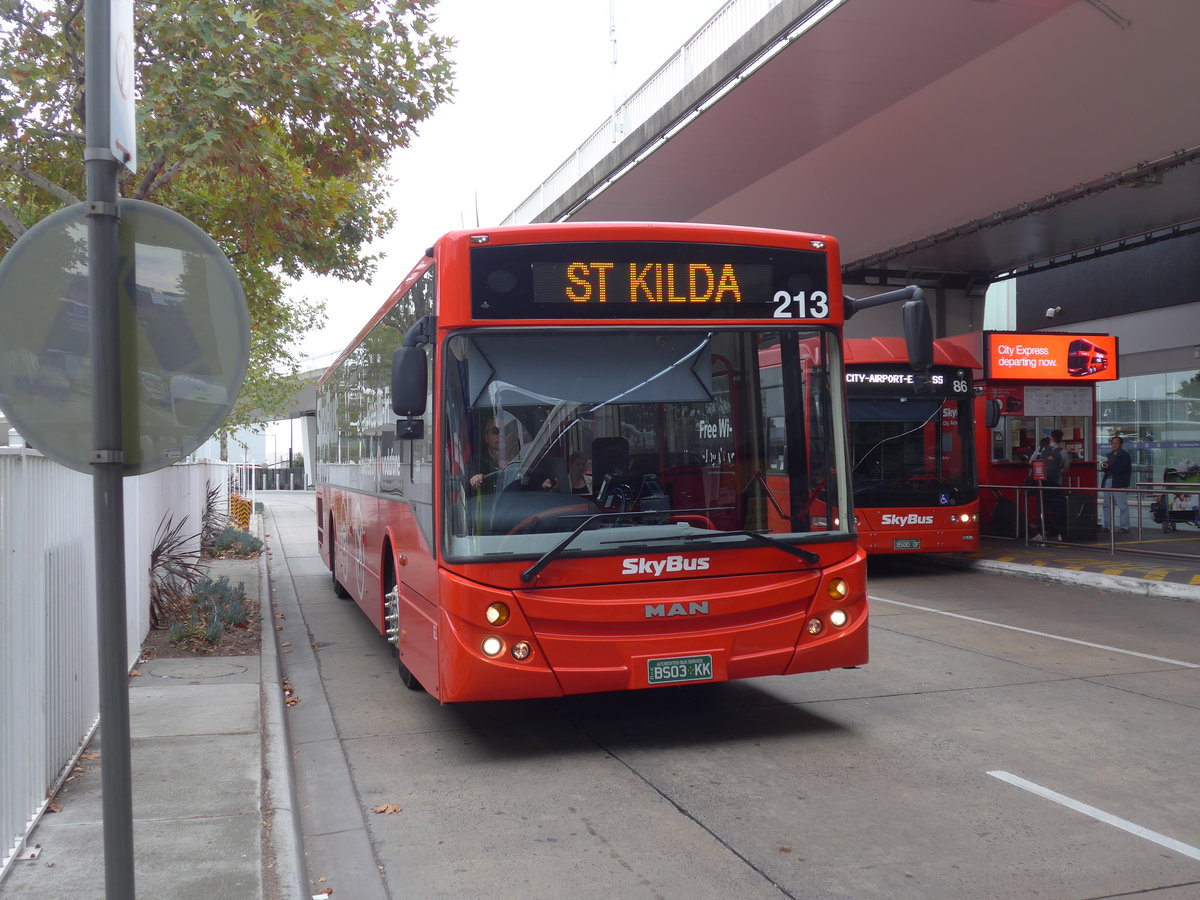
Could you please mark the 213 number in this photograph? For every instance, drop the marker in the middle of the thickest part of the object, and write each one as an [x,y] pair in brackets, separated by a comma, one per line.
[802,305]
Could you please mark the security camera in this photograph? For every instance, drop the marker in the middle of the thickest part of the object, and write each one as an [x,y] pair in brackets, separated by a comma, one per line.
[1053,311]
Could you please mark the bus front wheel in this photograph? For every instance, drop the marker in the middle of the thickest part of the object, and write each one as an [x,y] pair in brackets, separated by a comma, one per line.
[391,612]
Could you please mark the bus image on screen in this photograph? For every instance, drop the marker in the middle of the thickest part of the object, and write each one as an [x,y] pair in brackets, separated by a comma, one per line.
[912,443]
[589,457]
[1085,358]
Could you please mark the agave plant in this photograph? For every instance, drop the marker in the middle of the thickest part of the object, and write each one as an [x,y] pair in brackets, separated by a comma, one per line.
[214,520]
[175,565]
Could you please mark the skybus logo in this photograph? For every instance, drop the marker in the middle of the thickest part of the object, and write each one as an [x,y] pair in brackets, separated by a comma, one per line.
[910,519]
[639,565]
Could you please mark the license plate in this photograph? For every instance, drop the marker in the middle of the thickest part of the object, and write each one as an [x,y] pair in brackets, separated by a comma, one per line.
[906,544]
[680,668]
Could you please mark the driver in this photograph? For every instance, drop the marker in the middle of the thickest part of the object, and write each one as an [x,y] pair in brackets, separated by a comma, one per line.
[487,461]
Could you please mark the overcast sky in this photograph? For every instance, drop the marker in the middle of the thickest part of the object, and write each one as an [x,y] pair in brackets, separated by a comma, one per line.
[534,78]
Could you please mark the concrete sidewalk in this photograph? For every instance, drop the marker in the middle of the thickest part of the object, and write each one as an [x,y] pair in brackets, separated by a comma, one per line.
[212,807]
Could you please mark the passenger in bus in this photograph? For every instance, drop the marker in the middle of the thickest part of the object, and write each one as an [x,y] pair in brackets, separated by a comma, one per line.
[577,469]
[575,475]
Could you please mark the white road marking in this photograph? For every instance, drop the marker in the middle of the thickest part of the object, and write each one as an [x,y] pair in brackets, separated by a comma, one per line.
[1124,824]
[1053,637]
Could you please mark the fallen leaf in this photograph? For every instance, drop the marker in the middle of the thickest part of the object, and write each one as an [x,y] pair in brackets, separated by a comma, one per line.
[54,806]
[388,809]
[286,644]
[280,616]
[134,673]
[89,755]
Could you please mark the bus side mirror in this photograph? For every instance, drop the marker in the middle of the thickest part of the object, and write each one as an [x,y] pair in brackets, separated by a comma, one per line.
[992,414]
[918,335]
[409,381]
[410,429]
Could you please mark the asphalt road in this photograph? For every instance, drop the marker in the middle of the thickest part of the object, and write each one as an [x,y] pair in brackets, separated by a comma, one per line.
[1008,739]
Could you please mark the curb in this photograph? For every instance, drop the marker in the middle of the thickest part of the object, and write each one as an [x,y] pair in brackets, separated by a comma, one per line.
[281,807]
[1139,587]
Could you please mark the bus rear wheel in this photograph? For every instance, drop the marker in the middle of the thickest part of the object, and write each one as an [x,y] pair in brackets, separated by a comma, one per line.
[338,590]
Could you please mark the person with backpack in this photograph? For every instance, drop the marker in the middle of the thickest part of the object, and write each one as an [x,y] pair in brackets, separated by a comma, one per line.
[1055,463]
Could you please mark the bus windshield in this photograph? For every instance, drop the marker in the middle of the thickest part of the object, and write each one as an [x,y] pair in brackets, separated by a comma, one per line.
[912,450]
[637,435]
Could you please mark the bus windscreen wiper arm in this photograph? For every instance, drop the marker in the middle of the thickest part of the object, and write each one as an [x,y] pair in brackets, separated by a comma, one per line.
[807,555]
[550,555]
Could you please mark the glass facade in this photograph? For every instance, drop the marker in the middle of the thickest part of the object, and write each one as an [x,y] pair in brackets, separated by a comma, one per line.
[1158,416]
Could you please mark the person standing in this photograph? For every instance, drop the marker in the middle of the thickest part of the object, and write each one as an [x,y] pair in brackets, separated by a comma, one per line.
[1055,462]
[1118,472]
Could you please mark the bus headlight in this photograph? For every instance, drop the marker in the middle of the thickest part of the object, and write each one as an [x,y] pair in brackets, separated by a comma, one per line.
[521,650]
[492,646]
[497,614]
[838,618]
[838,589]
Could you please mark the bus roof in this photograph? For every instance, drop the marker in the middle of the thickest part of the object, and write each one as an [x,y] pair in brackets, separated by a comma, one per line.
[865,351]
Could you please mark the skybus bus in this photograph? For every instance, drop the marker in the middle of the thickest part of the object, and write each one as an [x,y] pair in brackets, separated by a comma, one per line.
[445,506]
[912,443]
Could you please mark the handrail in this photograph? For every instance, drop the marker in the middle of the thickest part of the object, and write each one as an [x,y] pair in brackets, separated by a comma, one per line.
[1030,507]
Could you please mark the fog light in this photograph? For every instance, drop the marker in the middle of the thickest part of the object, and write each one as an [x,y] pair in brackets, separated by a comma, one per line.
[838,589]
[521,650]
[497,614]
[492,646]
[838,618]
[815,626]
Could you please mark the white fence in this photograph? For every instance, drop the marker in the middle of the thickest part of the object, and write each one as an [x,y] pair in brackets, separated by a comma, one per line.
[49,703]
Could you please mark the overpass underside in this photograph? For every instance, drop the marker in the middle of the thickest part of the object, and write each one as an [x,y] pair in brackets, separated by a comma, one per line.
[943,142]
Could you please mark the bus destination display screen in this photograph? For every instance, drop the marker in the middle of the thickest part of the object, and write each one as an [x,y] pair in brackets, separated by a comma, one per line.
[653,280]
[903,381]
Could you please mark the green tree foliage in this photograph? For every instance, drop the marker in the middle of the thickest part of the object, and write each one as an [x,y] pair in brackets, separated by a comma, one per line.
[268,123]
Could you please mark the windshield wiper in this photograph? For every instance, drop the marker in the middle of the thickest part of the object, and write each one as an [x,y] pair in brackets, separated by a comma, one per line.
[552,554]
[807,555]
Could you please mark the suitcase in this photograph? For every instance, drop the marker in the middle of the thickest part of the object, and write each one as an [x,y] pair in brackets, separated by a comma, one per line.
[1081,518]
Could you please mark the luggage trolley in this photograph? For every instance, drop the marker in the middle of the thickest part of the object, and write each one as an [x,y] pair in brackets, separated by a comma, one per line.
[1179,502]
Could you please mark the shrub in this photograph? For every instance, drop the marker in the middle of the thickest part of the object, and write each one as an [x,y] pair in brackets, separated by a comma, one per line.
[235,542]
[215,605]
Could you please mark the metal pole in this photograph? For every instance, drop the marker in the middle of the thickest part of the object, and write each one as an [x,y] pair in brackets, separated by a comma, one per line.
[108,459]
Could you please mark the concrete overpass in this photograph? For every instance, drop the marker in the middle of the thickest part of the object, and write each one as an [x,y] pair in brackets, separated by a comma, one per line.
[944,142]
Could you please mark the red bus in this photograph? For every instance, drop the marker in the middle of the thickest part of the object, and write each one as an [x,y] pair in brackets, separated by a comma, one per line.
[457,433]
[912,442]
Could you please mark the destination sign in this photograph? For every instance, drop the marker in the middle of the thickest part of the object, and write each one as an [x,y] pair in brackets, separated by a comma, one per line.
[631,279]
[901,380]
[648,282]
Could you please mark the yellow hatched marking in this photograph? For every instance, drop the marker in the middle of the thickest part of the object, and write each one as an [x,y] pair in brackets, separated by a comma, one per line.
[1195,579]
[1157,574]
[1114,571]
